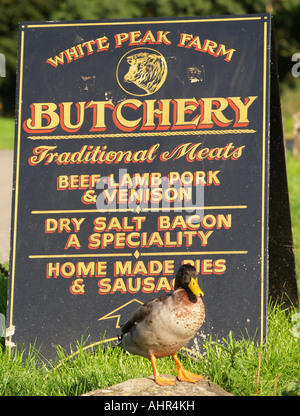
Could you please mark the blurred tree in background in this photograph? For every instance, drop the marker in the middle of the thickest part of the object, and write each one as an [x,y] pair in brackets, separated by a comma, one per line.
[286,15]
[11,13]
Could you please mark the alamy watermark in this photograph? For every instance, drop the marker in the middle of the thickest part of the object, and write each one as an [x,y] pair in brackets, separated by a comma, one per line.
[2,325]
[296,327]
[152,192]
[2,66]
[296,67]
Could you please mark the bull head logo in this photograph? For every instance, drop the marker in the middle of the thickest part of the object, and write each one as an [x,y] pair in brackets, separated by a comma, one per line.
[147,70]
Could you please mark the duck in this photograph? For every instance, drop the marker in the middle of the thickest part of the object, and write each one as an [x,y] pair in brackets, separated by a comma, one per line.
[163,325]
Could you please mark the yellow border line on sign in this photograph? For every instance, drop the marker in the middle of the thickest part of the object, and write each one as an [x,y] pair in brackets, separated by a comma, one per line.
[167,253]
[145,134]
[192,253]
[61,256]
[263,182]
[93,211]
[16,197]
[143,22]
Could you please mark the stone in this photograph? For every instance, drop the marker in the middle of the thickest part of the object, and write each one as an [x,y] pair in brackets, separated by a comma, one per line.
[147,387]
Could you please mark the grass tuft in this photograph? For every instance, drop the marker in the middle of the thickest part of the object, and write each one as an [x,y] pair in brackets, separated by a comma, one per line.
[240,367]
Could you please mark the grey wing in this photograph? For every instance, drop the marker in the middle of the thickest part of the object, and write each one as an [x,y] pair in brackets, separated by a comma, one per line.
[140,314]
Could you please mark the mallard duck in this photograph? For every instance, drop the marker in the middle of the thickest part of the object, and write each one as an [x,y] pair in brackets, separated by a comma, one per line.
[165,324]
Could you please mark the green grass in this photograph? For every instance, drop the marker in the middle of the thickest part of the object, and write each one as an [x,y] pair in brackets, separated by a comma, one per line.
[293,171]
[241,368]
[7,133]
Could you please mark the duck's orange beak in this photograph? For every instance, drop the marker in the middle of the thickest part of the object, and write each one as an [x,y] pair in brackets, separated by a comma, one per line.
[195,288]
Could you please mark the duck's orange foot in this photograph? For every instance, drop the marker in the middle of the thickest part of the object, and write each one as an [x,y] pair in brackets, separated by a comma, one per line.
[185,375]
[164,381]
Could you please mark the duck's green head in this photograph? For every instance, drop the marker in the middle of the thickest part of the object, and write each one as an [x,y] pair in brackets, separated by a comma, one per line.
[186,278]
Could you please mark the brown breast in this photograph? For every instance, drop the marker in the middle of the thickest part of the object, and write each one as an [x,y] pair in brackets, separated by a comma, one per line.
[189,310]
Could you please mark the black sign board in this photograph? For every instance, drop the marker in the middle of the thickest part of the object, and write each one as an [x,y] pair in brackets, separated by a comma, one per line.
[140,146]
